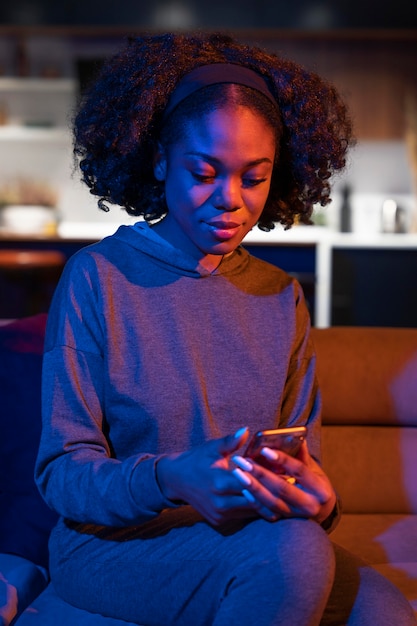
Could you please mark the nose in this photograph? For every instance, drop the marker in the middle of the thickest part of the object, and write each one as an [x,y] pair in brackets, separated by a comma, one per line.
[229,195]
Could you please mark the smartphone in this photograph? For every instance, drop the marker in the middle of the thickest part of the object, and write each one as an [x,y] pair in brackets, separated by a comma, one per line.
[288,440]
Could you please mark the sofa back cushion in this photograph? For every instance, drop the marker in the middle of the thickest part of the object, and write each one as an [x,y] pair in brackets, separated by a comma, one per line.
[25,520]
[373,468]
[368,379]
[367,375]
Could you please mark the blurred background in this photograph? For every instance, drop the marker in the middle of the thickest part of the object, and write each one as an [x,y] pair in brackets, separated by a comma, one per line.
[357,264]
[214,14]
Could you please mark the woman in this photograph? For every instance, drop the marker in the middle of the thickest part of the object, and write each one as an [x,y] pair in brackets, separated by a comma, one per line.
[168,344]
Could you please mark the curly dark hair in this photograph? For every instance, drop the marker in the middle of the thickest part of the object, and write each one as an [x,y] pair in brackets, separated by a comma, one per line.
[121,119]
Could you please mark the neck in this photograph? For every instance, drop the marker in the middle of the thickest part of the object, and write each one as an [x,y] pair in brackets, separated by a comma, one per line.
[211,262]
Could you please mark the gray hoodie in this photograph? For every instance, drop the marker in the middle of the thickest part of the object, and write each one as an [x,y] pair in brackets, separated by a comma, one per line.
[147,353]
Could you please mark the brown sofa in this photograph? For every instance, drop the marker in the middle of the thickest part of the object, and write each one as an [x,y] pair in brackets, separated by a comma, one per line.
[368,378]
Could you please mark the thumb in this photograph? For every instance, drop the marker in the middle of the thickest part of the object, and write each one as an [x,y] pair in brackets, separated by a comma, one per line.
[303,453]
[227,445]
[305,457]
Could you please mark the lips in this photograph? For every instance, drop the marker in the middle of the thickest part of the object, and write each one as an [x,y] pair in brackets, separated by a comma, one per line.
[224,224]
[223,230]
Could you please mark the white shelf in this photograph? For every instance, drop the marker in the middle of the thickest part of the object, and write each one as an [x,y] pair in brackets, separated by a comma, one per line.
[34,133]
[305,235]
[37,85]
[32,102]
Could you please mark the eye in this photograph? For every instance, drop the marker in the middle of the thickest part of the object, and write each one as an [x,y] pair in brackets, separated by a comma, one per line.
[203,178]
[253,182]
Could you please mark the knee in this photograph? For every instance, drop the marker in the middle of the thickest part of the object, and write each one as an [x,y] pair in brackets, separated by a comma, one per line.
[292,562]
[297,547]
[307,551]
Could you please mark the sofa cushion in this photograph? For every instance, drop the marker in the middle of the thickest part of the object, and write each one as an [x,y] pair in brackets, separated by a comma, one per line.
[50,610]
[367,375]
[373,468]
[25,520]
[20,582]
[386,541]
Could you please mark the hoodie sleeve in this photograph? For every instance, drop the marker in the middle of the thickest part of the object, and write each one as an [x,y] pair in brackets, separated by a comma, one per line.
[76,471]
[301,402]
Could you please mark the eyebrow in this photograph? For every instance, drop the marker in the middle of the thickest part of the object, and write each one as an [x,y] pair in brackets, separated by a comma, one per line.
[212,159]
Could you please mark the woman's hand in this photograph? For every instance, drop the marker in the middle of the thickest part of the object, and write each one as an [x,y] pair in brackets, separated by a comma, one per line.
[204,478]
[286,486]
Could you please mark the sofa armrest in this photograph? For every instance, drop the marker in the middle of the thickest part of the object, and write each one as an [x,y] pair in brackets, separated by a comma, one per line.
[21,581]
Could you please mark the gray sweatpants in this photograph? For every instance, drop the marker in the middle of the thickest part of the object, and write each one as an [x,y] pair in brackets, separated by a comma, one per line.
[178,570]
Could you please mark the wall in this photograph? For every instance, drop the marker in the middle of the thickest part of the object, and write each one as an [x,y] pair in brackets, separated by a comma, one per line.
[375,72]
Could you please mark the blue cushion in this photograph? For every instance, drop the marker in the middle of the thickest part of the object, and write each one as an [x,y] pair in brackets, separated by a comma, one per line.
[25,520]
[50,610]
[20,582]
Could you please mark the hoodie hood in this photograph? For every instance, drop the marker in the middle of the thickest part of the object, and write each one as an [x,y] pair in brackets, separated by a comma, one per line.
[142,237]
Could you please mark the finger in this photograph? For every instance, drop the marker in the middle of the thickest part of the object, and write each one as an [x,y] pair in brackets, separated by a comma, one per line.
[304,454]
[303,470]
[286,464]
[269,502]
[247,483]
[261,510]
[272,491]
[223,509]
[229,444]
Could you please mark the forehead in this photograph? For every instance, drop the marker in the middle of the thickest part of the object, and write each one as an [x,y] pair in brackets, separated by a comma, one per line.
[231,128]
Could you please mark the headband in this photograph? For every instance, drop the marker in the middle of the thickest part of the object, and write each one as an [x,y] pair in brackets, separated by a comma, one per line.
[213,74]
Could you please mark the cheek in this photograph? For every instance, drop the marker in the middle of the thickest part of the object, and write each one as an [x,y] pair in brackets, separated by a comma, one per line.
[184,196]
[174,193]
[200,195]
[255,203]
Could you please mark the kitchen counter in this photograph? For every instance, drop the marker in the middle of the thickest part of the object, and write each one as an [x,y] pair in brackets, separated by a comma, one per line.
[297,234]
[94,231]
[324,240]
[318,244]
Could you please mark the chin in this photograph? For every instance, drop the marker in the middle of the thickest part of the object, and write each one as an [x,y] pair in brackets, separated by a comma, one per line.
[224,247]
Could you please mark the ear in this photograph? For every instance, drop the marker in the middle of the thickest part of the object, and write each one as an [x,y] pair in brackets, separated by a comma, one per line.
[160,163]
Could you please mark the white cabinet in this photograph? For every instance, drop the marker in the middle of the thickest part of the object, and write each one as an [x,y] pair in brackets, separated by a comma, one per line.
[35,102]
[35,138]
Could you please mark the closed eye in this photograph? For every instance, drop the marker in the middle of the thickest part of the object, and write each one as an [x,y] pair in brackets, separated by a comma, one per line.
[202,178]
[253,182]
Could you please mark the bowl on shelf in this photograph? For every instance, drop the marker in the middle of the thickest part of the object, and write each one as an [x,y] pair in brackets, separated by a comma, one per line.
[24,219]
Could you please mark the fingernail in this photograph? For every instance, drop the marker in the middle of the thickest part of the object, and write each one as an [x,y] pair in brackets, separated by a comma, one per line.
[244,464]
[271,455]
[242,477]
[239,433]
[249,497]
